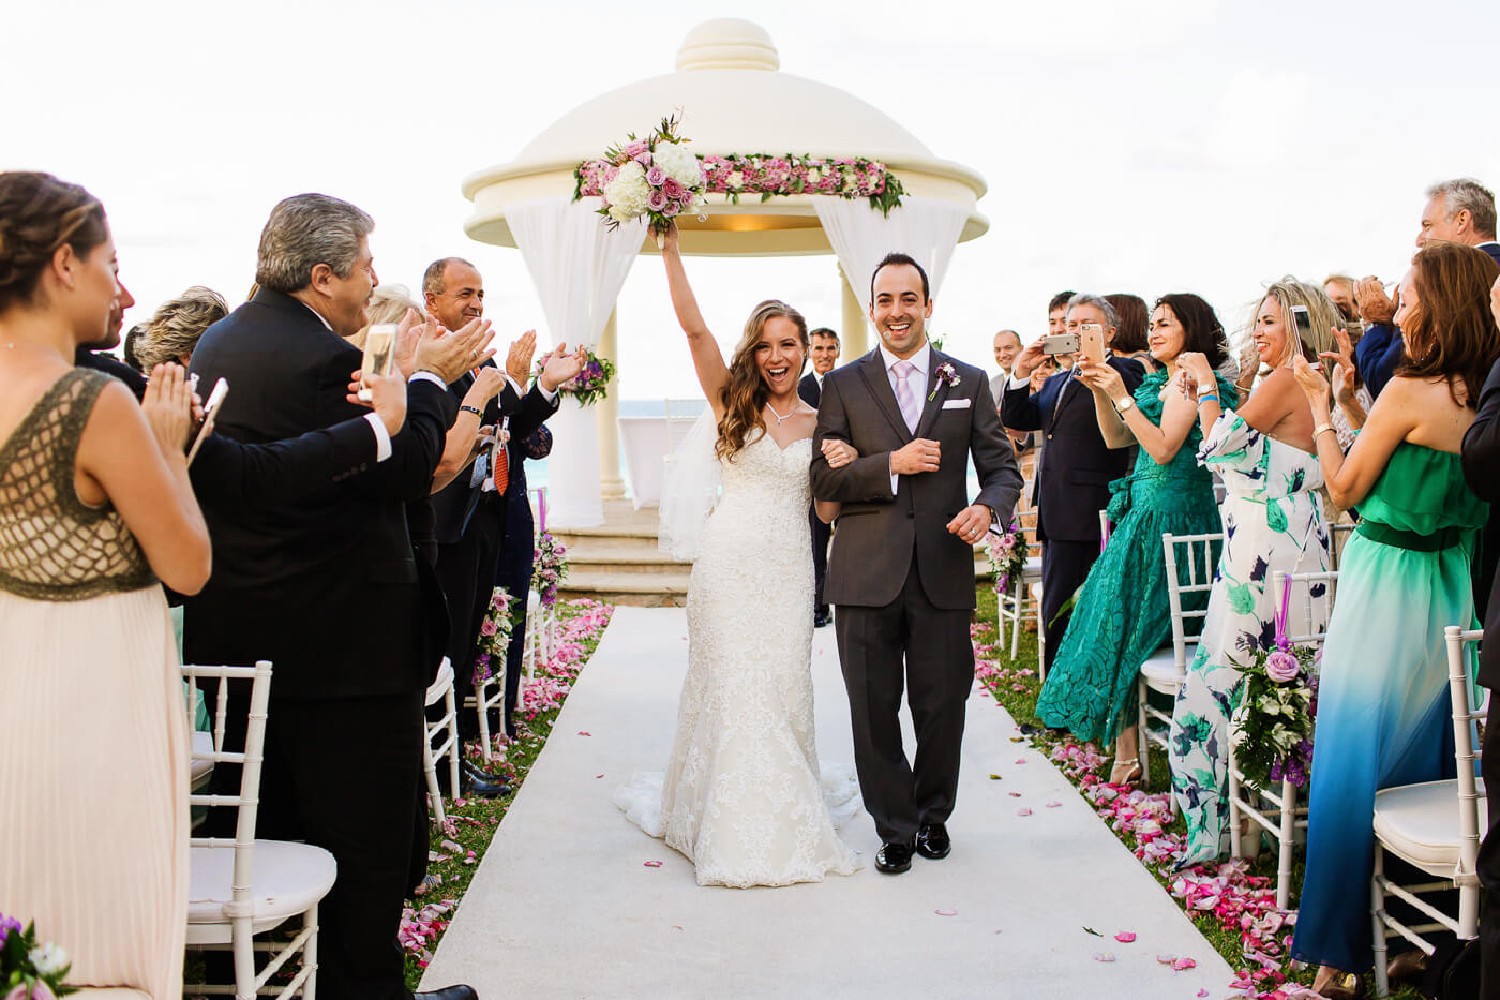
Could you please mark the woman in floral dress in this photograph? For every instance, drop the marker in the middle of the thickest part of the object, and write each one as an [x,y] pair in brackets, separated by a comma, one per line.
[1273,522]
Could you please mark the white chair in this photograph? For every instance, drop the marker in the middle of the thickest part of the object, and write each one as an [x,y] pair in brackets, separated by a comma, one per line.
[1281,817]
[1041,632]
[243,887]
[1434,826]
[1165,670]
[445,732]
[1012,604]
[487,694]
[1338,537]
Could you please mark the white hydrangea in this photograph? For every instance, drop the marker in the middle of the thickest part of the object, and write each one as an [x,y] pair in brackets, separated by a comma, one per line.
[680,163]
[627,193]
[49,959]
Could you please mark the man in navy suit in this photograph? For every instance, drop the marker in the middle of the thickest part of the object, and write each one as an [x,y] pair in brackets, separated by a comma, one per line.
[1458,211]
[518,556]
[825,354]
[1075,467]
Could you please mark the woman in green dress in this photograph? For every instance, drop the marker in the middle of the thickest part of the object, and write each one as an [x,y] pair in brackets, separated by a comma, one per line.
[1122,616]
[1383,705]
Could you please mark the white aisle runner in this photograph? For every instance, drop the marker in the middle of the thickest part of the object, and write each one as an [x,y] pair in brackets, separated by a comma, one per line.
[564,904]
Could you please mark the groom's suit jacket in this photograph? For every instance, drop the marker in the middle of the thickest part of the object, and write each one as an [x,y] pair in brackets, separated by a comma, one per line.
[881,533]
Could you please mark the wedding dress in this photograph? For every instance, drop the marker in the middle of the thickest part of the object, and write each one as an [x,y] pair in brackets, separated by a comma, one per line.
[743,796]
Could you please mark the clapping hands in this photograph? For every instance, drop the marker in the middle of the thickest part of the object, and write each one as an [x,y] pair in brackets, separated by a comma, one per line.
[169,407]
[559,367]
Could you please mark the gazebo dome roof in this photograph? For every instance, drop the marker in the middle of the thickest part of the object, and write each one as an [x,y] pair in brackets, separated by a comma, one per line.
[733,99]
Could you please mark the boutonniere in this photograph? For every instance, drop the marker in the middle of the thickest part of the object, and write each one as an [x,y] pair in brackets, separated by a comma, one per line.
[946,375]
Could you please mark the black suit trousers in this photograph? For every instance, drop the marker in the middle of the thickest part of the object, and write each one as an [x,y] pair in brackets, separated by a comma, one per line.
[1489,868]
[1065,565]
[367,825]
[820,536]
[926,649]
[466,570]
[517,553]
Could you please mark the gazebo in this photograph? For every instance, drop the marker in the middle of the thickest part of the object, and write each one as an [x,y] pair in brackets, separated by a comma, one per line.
[733,100]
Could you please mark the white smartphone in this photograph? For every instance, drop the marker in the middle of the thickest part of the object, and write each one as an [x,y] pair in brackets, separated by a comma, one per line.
[215,400]
[380,351]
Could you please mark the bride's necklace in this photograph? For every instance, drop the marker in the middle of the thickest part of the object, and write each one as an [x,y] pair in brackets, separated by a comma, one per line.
[780,418]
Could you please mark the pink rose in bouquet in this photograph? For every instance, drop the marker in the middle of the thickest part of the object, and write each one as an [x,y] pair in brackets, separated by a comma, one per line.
[1282,667]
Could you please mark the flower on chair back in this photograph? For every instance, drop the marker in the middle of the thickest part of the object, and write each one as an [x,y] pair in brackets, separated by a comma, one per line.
[30,971]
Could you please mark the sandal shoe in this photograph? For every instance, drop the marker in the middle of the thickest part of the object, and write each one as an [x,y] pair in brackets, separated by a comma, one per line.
[1340,986]
[1132,777]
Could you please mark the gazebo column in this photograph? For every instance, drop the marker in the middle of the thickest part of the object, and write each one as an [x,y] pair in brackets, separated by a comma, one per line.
[611,483]
[854,338]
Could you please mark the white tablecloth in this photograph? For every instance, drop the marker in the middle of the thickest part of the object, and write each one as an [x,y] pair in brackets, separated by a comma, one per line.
[647,441]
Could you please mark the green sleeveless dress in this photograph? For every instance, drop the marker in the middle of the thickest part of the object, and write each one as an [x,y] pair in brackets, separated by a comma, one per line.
[1122,616]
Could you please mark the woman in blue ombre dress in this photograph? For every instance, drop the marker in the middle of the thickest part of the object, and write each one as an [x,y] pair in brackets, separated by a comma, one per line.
[1384,712]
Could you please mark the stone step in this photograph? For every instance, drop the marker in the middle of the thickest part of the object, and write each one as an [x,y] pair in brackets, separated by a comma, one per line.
[640,590]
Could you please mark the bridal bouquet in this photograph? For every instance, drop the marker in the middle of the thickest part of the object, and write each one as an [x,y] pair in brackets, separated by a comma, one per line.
[494,636]
[1007,556]
[30,971]
[657,177]
[550,567]
[589,385]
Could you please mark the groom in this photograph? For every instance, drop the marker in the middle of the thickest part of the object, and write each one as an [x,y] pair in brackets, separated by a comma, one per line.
[902,567]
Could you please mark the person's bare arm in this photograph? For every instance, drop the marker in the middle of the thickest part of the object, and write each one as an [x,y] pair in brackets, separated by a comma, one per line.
[1350,479]
[139,466]
[708,361]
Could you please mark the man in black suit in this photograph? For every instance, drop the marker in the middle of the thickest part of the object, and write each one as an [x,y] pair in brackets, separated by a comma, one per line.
[518,556]
[327,587]
[472,510]
[825,355]
[1075,467]
[1481,462]
[902,567]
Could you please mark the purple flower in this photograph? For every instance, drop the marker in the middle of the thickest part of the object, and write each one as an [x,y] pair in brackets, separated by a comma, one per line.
[8,924]
[1282,667]
[655,176]
[656,201]
[670,187]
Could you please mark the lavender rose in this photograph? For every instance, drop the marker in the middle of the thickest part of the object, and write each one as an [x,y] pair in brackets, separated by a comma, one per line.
[1282,667]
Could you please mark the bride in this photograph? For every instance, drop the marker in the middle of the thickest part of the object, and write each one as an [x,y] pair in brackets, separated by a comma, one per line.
[742,796]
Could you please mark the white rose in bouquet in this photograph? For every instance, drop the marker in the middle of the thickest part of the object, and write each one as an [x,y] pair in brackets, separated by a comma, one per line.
[628,192]
[680,164]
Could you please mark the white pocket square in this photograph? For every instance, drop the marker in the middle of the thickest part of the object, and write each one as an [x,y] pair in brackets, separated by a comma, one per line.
[957,404]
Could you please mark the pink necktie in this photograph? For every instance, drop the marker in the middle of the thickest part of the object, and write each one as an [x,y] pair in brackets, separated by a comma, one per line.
[905,398]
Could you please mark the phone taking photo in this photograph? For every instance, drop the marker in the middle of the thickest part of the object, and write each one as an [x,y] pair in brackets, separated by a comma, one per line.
[1091,342]
[210,408]
[1060,343]
[1303,322]
[380,352]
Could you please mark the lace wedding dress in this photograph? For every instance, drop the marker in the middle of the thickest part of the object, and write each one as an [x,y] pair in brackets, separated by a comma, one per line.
[743,796]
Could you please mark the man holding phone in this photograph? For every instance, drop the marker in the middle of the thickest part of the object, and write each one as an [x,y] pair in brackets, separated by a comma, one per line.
[1076,466]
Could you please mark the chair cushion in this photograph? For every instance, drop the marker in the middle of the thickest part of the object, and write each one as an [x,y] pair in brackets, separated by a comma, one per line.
[1420,823]
[198,768]
[1160,669]
[288,878]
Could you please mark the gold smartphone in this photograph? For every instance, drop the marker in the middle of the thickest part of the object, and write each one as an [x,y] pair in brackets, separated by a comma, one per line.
[1091,342]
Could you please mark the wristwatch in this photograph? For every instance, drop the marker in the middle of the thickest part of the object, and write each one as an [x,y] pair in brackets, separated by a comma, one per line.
[466,408]
[1123,405]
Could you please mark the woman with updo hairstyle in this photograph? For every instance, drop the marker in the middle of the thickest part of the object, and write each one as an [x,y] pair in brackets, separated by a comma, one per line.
[174,329]
[1273,523]
[1384,714]
[1130,334]
[95,508]
[743,795]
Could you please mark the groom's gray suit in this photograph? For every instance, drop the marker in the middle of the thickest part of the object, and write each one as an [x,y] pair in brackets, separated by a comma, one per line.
[904,586]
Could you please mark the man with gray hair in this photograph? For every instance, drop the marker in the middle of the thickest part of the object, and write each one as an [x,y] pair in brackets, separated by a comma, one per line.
[1458,211]
[1075,467]
[328,588]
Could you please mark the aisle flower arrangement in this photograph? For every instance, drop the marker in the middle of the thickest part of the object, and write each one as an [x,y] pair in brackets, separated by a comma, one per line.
[1007,554]
[494,636]
[657,177]
[30,970]
[549,567]
[1273,730]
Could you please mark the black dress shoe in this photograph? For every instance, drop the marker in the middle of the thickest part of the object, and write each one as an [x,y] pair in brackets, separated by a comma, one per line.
[822,617]
[932,841]
[893,859]
[476,782]
[448,993]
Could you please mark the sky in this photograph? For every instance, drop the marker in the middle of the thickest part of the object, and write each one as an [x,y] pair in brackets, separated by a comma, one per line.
[1150,147]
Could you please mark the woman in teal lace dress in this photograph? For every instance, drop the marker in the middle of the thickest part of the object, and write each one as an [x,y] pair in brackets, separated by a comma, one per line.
[1273,523]
[1383,705]
[1121,616]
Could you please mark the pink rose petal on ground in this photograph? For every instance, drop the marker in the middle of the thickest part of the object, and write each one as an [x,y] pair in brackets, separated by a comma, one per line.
[598,775]
[1166,959]
[653,864]
[1020,760]
[1053,804]
[1105,956]
[946,911]
[584,732]
[1180,964]
[1125,937]
[1203,993]
[1014,795]
[1023,811]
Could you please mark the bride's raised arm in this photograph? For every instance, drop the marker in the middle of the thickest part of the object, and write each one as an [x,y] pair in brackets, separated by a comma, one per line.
[713,374]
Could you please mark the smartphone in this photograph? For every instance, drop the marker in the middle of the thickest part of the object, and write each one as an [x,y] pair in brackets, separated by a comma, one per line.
[1091,342]
[215,399]
[1060,343]
[1303,323]
[380,351]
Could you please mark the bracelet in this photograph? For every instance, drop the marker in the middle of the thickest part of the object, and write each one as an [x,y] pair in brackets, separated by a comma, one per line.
[1207,396]
[1321,428]
[466,408]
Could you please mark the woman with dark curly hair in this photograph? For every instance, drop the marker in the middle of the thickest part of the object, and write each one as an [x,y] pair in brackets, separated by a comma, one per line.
[1383,705]
[743,796]
[1122,616]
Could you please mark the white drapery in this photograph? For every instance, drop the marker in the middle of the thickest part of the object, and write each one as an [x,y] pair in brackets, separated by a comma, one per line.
[925,228]
[578,267]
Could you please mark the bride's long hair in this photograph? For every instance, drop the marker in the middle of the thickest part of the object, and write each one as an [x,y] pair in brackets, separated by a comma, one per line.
[744,395]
